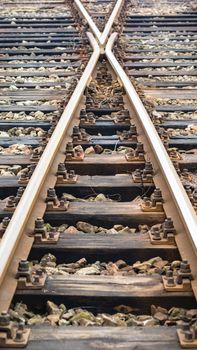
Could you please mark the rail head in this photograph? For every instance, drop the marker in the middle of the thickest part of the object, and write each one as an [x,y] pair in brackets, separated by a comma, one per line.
[176,189]
[101,37]
[88,18]
[16,227]
[110,22]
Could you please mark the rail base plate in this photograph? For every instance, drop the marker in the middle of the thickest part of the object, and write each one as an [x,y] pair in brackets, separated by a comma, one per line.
[6,342]
[61,180]
[163,241]
[38,239]
[184,287]
[186,344]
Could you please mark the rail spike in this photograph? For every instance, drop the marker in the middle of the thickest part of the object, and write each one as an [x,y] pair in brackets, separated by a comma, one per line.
[53,203]
[163,234]
[74,153]
[180,280]
[154,203]
[44,236]
[12,334]
[30,277]
[66,176]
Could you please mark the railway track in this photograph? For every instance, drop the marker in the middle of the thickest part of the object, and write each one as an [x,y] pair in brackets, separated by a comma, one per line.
[97,228]
[99,11]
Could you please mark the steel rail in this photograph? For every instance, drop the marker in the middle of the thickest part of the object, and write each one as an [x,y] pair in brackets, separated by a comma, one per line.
[14,231]
[110,22]
[101,37]
[86,15]
[177,191]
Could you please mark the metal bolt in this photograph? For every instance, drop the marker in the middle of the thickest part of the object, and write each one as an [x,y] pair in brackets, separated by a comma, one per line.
[76,133]
[54,120]
[61,170]
[11,202]
[169,273]
[185,326]
[4,319]
[39,223]
[139,148]
[148,168]
[170,281]
[83,113]
[24,176]
[23,266]
[188,336]
[5,222]
[157,193]
[19,336]
[179,279]
[51,194]
[36,153]
[138,174]
[20,192]
[185,267]
[69,147]
[76,129]
[61,167]
[185,172]
[21,326]
[36,279]
[71,174]
[156,233]
[62,203]
[168,227]
[51,235]
[132,130]
[168,223]
[39,227]
[39,272]
[157,196]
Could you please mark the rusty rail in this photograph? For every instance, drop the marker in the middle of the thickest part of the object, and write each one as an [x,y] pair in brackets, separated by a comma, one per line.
[101,37]
[184,207]
[86,15]
[23,211]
